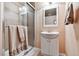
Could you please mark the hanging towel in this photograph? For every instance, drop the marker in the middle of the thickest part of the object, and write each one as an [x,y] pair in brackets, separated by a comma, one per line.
[21,38]
[12,40]
[21,33]
[69,14]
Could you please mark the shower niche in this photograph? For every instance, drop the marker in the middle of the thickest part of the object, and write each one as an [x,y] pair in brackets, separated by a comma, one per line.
[51,16]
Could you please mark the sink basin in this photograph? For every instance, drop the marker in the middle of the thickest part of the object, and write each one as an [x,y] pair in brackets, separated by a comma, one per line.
[50,35]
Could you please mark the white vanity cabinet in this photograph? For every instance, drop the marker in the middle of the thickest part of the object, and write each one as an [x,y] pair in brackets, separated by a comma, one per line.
[49,46]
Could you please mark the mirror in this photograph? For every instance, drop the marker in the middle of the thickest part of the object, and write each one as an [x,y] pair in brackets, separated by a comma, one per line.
[51,17]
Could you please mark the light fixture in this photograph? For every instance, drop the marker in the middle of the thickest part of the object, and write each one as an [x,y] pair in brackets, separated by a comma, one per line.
[50,3]
[23,10]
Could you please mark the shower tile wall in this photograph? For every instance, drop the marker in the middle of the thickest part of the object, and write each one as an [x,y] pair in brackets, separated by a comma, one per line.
[10,18]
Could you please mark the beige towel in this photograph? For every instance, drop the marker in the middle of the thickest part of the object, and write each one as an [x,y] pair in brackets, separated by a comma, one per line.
[12,40]
[21,38]
[21,33]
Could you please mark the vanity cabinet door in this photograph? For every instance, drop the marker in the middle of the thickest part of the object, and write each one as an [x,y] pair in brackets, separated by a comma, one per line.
[54,47]
[45,45]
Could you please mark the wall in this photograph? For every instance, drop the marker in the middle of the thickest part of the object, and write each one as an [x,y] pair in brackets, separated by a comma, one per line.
[0,31]
[71,41]
[76,19]
[39,14]
[1,20]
